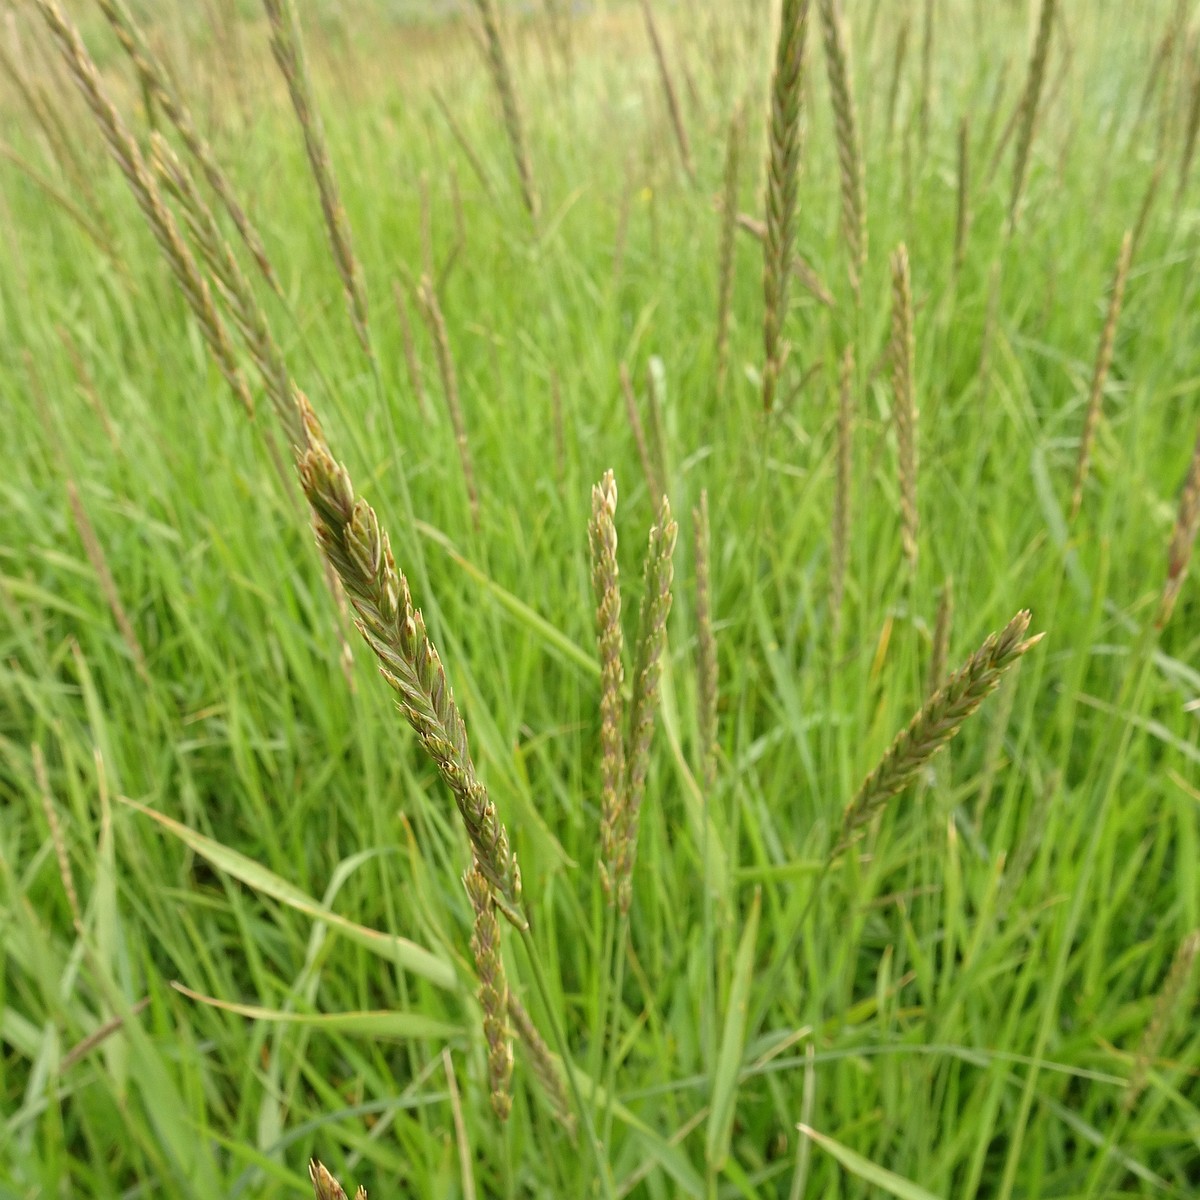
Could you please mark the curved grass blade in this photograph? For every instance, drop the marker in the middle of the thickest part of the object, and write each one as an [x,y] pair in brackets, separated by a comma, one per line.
[254,875]
[863,1168]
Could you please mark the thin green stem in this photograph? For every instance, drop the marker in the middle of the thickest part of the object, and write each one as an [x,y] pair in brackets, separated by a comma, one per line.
[620,946]
[560,1042]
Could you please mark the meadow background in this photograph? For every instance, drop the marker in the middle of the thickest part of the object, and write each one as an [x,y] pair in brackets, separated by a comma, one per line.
[987,993]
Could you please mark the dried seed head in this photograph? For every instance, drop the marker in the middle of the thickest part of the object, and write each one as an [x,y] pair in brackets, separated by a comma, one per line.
[325,1187]
[602,538]
[652,633]
[493,990]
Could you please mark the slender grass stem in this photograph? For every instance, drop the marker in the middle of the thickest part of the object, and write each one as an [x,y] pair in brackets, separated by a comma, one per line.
[603,1173]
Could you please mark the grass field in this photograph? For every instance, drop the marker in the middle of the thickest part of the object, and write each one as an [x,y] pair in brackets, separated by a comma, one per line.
[233,925]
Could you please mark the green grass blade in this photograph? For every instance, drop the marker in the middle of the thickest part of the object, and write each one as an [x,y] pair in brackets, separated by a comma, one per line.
[376,1024]
[401,951]
[894,1185]
[733,1042]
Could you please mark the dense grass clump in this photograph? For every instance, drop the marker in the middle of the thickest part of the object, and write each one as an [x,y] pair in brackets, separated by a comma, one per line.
[735,839]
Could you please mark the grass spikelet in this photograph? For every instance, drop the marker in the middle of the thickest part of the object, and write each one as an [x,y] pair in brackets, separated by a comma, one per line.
[652,634]
[497,60]
[901,352]
[940,650]
[1183,537]
[729,212]
[849,148]
[493,991]
[839,555]
[1100,372]
[1170,999]
[288,47]
[546,1068]
[783,163]
[669,90]
[156,81]
[602,539]
[349,536]
[707,679]
[141,182]
[325,1187]
[962,219]
[432,310]
[1028,108]
[940,719]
